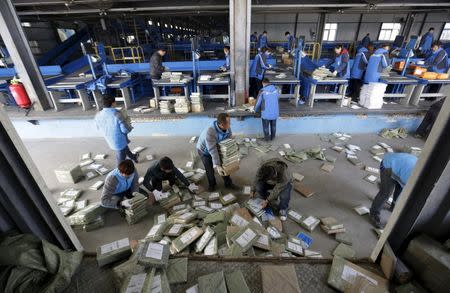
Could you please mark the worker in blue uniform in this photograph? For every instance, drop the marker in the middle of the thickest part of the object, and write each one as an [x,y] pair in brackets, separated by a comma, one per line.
[253,40]
[438,60]
[340,65]
[262,40]
[357,72]
[395,170]
[365,41]
[426,41]
[226,66]
[257,70]
[290,41]
[267,104]
[377,63]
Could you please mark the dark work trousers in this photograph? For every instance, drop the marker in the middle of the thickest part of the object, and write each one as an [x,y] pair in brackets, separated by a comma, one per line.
[355,88]
[269,134]
[209,168]
[262,189]
[428,121]
[253,87]
[123,154]
[387,186]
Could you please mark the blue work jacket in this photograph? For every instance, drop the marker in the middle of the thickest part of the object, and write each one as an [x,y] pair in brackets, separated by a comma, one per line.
[267,102]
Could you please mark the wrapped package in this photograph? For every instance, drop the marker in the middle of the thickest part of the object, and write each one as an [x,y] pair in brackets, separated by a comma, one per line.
[154,255]
[113,252]
[185,239]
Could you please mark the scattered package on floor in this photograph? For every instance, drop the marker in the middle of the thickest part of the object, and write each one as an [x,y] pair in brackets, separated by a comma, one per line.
[185,239]
[228,199]
[331,226]
[204,240]
[310,223]
[394,133]
[376,150]
[372,170]
[97,185]
[303,190]
[344,273]
[96,224]
[154,255]
[86,215]
[69,173]
[254,205]
[113,252]
[166,107]
[327,167]
[344,238]
[361,210]
[297,176]
[245,238]
[345,251]
[371,178]
[279,278]
[295,216]
[416,151]
[212,283]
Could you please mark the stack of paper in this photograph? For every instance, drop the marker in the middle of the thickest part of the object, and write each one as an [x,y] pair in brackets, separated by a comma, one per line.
[112,252]
[331,226]
[229,154]
[170,201]
[137,210]
[182,105]
[196,103]
[254,205]
[166,107]
[69,173]
[310,223]
[97,223]
[86,215]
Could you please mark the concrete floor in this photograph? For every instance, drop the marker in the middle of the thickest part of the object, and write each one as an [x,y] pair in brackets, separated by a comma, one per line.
[336,192]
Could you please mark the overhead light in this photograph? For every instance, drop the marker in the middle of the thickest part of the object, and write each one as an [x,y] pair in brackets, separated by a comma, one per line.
[165,24]
[150,22]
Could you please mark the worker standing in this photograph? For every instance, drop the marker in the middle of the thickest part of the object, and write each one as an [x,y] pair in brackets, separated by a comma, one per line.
[254,40]
[377,63]
[226,66]
[357,72]
[164,170]
[290,41]
[119,186]
[156,67]
[273,182]
[208,149]
[262,40]
[267,104]
[111,123]
[340,65]
[395,170]
[257,71]
[365,41]
[426,41]
[438,60]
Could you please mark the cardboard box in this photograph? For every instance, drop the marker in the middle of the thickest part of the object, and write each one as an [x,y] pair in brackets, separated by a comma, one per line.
[303,190]
[344,274]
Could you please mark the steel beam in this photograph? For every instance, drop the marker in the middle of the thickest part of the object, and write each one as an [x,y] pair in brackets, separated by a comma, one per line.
[17,44]
[240,20]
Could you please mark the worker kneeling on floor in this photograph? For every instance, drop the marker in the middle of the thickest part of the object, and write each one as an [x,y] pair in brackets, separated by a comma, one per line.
[163,174]
[119,186]
[273,182]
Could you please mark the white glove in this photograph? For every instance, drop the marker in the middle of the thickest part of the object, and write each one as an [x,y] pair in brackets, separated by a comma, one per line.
[221,68]
[158,195]
[270,66]
[193,187]
[221,171]
[334,73]
[125,203]
[323,66]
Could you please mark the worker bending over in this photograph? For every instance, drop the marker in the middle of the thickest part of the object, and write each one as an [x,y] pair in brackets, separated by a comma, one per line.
[395,170]
[114,127]
[257,70]
[273,182]
[267,104]
[164,170]
[156,67]
[340,65]
[208,149]
[119,186]
[357,72]
[377,63]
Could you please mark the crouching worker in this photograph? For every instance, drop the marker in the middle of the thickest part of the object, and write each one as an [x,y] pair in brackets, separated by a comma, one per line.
[119,186]
[164,170]
[273,182]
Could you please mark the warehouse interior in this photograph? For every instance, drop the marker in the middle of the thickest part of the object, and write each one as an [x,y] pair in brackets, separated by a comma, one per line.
[339,106]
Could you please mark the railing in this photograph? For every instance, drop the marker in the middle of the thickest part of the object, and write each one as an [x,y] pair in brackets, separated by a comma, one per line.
[312,50]
[124,54]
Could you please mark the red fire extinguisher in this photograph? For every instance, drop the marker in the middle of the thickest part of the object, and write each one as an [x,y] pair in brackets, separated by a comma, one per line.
[20,94]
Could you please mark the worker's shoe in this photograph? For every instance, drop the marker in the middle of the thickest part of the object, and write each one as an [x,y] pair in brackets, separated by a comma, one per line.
[283,215]
[376,221]
[232,186]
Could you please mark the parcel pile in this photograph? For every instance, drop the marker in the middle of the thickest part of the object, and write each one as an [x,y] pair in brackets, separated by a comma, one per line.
[197,103]
[229,155]
[166,107]
[137,209]
[182,105]
[321,73]
[88,218]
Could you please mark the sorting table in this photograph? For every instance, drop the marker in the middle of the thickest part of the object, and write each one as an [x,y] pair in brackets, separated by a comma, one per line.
[290,79]
[78,84]
[163,82]
[444,90]
[341,83]
[216,80]
[404,87]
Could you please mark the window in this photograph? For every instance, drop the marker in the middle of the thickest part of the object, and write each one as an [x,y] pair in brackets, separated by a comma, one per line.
[445,35]
[329,33]
[389,31]
[26,24]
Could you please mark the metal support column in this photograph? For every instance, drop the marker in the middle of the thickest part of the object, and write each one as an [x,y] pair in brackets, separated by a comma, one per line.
[319,30]
[408,24]
[240,19]
[17,44]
